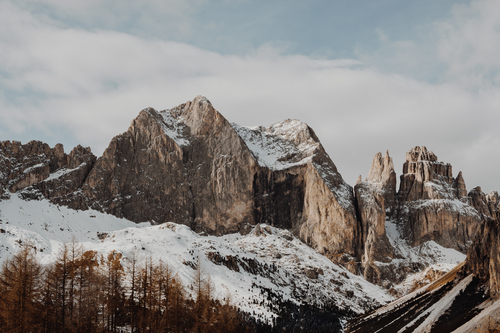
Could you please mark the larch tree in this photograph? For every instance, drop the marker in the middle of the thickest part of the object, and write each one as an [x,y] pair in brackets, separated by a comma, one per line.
[20,292]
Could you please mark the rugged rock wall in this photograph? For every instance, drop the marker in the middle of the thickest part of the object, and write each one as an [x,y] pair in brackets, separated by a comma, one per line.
[190,165]
[483,258]
[186,165]
[376,201]
[35,165]
[432,204]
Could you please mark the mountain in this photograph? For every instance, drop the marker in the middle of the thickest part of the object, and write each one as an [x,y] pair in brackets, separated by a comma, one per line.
[430,210]
[463,300]
[264,208]
[191,166]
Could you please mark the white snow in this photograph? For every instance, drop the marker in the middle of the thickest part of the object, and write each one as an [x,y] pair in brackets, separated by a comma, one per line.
[281,145]
[440,307]
[28,170]
[63,171]
[173,127]
[453,205]
[280,259]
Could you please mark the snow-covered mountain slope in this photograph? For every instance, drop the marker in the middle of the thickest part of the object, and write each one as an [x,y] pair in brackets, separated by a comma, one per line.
[455,302]
[463,300]
[281,145]
[265,264]
[429,260]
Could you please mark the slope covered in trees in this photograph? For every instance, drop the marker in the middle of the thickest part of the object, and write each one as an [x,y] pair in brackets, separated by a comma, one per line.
[85,292]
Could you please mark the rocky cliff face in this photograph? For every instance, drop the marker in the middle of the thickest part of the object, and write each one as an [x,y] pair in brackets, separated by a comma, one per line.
[186,165]
[432,204]
[465,300]
[298,186]
[483,258]
[376,202]
[35,166]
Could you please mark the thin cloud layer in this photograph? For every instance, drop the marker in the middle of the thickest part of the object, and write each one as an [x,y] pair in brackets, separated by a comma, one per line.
[76,85]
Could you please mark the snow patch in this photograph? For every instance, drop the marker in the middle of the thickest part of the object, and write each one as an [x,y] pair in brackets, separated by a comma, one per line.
[173,128]
[63,171]
[281,145]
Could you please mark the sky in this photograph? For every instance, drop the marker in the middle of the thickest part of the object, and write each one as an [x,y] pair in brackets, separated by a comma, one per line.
[366,75]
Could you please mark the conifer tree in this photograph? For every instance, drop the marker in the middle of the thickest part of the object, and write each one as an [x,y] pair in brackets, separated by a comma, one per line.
[20,292]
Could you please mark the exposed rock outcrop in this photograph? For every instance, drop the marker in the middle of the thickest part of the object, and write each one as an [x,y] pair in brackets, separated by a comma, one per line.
[483,258]
[432,205]
[464,300]
[190,165]
[376,200]
[383,177]
[36,165]
[186,165]
[485,204]
[297,186]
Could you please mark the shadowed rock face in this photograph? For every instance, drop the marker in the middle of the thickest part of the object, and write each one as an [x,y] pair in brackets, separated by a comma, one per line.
[432,204]
[375,198]
[376,202]
[483,258]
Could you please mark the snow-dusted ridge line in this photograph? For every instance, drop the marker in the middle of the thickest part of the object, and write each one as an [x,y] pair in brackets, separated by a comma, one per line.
[48,226]
[281,145]
[63,171]
[173,127]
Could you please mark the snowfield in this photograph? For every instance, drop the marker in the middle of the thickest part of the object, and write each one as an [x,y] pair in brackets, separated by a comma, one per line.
[267,263]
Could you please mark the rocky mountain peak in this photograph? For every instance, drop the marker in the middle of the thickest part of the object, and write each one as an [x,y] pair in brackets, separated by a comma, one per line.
[376,201]
[459,184]
[425,178]
[431,202]
[200,116]
[382,174]
[417,154]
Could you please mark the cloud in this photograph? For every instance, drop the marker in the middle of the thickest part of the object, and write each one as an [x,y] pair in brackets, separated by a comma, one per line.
[469,43]
[77,85]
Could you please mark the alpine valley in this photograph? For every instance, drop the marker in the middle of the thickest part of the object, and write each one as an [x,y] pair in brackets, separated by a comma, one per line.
[266,214]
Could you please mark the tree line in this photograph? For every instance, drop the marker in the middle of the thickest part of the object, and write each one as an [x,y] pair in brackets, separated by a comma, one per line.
[83,291]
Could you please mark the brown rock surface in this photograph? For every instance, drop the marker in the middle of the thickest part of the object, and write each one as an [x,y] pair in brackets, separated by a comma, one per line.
[185,165]
[483,258]
[375,199]
[432,205]
[33,163]
[486,205]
